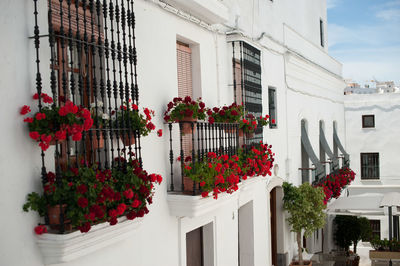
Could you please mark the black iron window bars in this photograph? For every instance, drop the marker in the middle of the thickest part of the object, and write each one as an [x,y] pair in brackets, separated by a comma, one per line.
[221,138]
[247,87]
[93,63]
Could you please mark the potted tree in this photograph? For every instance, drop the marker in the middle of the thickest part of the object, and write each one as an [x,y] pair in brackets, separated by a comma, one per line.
[350,230]
[305,205]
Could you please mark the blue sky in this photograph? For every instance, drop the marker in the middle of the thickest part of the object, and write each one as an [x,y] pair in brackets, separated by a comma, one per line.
[365,36]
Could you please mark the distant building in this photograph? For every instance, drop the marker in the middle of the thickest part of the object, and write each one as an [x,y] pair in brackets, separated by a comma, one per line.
[370,87]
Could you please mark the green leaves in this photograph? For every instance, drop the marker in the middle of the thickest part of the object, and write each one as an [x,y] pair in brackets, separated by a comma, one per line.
[305,206]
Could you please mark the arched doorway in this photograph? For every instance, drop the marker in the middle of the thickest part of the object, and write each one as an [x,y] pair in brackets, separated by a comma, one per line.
[278,257]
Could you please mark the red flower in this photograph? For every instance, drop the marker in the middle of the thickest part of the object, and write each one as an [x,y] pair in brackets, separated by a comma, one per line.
[28,120]
[202,183]
[134,107]
[40,116]
[273,121]
[136,203]
[70,184]
[150,126]
[44,146]
[112,213]
[131,215]
[50,177]
[81,189]
[204,194]
[159,132]
[85,227]
[211,120]
[113,221]
[159,179]
[46,138]
[77,136]
[40,229]
[35,96]
[83,202]
[87,124]
[121,208]
[128,194]
[34,135]
[60,135]
[47,99]
[25,109]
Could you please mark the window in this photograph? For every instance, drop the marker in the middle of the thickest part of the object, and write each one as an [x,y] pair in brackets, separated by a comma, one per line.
[321,32]
[376,228]
[272,107]
[369,165]
[368,121]
[247,81]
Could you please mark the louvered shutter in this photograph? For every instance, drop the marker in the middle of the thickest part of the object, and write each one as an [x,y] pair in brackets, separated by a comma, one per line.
[185,87]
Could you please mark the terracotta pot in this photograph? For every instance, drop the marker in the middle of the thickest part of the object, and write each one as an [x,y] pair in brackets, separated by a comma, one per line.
[305,263]
[54,217]
[241,132]
[188,186]
[128,140]
[187,125]
[250,135]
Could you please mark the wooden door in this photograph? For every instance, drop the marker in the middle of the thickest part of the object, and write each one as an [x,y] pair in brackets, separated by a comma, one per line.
[194,248]
[272,202]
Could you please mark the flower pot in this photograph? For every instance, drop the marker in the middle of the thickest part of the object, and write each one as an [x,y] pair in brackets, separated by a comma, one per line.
[188,186]
[187,124]
[54,217]
[305,263]
[250,135]
[128,140]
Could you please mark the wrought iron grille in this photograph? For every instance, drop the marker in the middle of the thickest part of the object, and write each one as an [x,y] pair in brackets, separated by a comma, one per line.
[221,138]
[93,64]
[247,86]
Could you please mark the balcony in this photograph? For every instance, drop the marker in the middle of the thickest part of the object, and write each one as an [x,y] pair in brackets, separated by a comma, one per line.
[185,196]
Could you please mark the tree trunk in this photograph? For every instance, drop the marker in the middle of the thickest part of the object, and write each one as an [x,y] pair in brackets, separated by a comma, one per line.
[300,249]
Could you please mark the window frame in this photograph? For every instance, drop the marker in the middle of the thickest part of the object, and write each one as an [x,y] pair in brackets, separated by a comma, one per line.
[321,32]
[375,232]
[365,169]
[364,123]
[272,125]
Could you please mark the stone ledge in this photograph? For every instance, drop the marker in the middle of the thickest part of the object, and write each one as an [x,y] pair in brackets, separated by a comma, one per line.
[182,205]
[57,248]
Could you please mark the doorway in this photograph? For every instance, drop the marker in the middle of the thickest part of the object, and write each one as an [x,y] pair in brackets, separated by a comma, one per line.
[274,244]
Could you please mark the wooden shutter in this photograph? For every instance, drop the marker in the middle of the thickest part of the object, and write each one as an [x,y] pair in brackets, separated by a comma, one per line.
[194,247]
[73,24]
[185,87]
[184,63]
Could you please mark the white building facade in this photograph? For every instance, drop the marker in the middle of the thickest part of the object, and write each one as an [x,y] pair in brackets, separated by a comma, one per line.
[371,133]
[300,86]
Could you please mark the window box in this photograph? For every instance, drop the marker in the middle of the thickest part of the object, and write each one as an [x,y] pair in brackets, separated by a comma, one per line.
[57,248]
[384,255]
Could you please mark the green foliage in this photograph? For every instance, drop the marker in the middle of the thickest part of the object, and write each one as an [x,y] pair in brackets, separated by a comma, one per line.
[35,202]
[136,121]
[385,244]
[350,230]
[305,206]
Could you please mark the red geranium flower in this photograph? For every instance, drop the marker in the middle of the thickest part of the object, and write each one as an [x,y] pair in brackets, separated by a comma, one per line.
[40,229]
[25,109]
[159,132]
[83,202]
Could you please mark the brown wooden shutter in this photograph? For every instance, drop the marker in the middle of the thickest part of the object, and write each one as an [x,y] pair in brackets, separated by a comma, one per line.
[185,87]
[56,19]
[184,63]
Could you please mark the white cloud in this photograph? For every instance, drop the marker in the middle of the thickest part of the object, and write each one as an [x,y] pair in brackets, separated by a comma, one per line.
[361,71]
[331,3]
[389,14]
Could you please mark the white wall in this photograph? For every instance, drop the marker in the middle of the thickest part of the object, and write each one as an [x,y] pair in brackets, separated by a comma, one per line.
[383,138]
[308,90]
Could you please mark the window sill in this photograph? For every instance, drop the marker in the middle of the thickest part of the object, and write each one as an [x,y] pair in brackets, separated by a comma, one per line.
[181,205]
[63,248]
